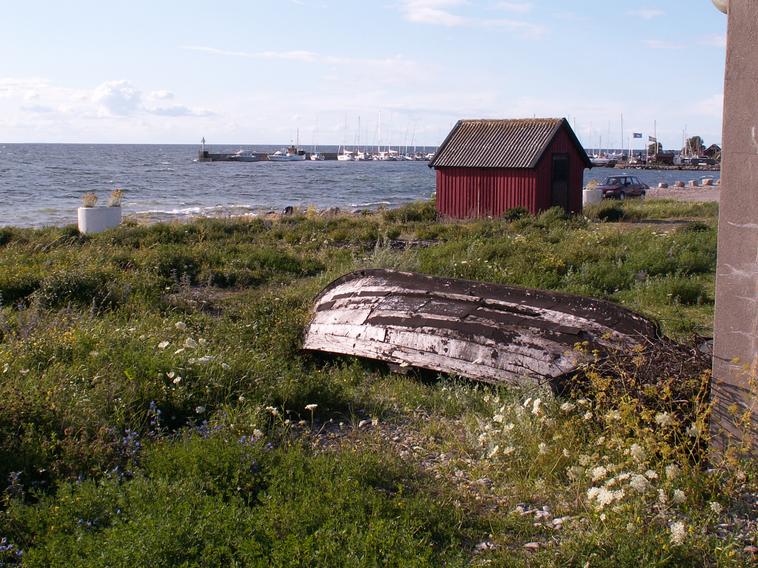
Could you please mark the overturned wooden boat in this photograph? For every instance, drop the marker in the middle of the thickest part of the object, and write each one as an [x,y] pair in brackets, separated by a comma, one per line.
[488,332]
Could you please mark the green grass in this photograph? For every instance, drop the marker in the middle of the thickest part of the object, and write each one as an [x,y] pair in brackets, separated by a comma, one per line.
[153,401]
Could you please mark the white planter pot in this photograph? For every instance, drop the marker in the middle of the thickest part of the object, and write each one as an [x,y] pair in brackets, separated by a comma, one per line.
[97,219]
[590,196]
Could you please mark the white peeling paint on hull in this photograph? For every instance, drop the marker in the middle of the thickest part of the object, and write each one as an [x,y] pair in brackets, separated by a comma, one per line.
[488,332]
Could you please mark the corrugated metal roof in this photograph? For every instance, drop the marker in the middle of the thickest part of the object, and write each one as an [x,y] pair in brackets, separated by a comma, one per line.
[507,143]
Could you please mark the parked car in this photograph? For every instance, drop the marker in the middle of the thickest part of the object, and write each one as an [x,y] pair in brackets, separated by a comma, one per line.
[622,186]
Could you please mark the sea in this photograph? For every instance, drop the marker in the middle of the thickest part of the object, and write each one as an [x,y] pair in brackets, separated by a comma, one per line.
[43,184]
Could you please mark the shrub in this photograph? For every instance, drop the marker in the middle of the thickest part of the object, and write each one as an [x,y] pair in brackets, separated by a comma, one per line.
[414,212]
[609,212]
[515,213]
[82,287]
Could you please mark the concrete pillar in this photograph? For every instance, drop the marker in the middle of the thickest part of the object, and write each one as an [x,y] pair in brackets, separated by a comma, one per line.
[735,356]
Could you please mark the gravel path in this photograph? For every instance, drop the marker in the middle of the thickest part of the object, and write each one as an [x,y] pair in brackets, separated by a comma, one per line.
[685,193]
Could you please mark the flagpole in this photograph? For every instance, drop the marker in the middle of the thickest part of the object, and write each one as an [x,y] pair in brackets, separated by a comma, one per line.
[622,135]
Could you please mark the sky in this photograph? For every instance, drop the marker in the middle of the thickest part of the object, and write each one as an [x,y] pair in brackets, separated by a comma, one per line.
[273,72]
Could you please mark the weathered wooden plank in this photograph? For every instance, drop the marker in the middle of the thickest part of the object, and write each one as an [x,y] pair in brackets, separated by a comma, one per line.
[484,331]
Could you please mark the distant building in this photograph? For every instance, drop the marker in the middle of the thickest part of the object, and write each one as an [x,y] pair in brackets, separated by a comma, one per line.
[713,151]
[485,167]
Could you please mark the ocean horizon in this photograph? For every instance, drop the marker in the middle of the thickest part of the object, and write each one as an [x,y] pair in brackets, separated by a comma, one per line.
[42,184]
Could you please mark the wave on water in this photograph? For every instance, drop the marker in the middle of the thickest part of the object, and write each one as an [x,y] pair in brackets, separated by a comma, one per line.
[370,204]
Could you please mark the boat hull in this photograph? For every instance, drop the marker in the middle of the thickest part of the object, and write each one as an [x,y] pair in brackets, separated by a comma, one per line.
[487,332]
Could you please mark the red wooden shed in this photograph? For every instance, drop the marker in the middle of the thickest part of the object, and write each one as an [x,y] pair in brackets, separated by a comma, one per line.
[485,167]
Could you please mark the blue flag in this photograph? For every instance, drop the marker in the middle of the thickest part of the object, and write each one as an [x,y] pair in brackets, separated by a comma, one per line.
[637,134]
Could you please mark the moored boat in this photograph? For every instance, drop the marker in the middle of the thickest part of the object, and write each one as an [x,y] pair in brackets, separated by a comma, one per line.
[291,154]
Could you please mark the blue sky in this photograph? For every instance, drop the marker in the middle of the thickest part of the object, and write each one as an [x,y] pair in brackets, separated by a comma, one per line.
[256,72]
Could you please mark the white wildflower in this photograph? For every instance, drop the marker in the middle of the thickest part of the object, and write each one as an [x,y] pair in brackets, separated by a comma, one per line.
[664,419]
[583,402]
[630,527]
[692,431]
[527,402]
[584,459]
[374,421]
[716,507]
[678,532]
[199,409]
[679,497]
[301,423]
[650,474]
[311,407]
[536,406]
[241,398]
[202,342]
[587,415]
[567,407]
[493,452]
[508,427]
[672,471]
[177,380]
[639,483]
[163,344]
[613,415]
[273,410]
[180,325]
[599,473]
[190,343]
[566,453]
[592,492]
[205,359]
[542,448]
[662,497]
[498,418]
[600,441]
[363,423]
[637,452]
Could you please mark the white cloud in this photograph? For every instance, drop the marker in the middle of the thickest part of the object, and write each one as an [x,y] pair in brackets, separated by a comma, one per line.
[646,13]
[438,12]
[161,95]
[433,12]
[714,40]
[178,110]
[303,56]
[119,98]
[661,44]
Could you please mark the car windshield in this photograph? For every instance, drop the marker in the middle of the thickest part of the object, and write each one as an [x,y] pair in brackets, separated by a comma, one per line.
[612,181]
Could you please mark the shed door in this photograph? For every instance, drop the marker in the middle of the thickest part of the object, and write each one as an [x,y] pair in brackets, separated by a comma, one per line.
[559,187]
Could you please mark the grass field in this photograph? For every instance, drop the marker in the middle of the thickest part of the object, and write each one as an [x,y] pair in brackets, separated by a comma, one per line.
[155,409]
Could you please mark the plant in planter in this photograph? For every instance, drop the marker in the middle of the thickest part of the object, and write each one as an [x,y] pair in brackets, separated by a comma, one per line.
[89,199]
[95,219]
[117,195]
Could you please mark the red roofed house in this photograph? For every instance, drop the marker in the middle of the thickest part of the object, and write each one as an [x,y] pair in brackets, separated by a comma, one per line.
[485,167]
